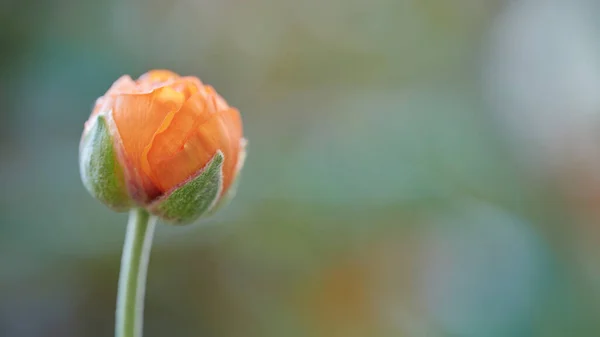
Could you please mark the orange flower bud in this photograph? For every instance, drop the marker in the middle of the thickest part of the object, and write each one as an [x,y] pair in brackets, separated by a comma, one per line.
[166,129]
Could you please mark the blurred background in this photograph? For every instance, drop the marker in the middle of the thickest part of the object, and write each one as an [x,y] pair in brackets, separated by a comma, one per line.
[416,168]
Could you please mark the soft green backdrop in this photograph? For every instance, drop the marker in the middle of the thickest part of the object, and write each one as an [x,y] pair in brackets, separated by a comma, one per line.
[416,168]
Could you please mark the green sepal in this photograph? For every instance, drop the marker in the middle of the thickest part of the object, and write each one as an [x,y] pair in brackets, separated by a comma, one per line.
[232,191]
[100,170]
[195,198]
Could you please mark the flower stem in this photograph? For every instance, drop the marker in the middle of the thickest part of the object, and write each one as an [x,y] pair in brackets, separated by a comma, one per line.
[132,278]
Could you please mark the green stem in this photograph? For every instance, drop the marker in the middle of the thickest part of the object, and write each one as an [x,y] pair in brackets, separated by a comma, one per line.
[132,278]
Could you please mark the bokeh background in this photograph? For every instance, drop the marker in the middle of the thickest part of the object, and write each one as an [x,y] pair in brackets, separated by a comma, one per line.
[416,168]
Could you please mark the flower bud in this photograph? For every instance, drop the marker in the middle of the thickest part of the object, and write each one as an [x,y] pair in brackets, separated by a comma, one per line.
[165,143]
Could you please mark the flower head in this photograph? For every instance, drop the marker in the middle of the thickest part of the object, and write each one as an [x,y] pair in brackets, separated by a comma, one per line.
[166,131]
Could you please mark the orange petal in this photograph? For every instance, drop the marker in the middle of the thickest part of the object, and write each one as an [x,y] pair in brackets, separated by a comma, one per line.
[169,141]
[215,135]
[172,165]
[216,99]
[187,85]
[138,116]
[158,75]
[172,171]
[144,157]
[123,85]
[233,120]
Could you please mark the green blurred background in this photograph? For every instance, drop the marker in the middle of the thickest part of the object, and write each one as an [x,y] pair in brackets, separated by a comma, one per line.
[416,168]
